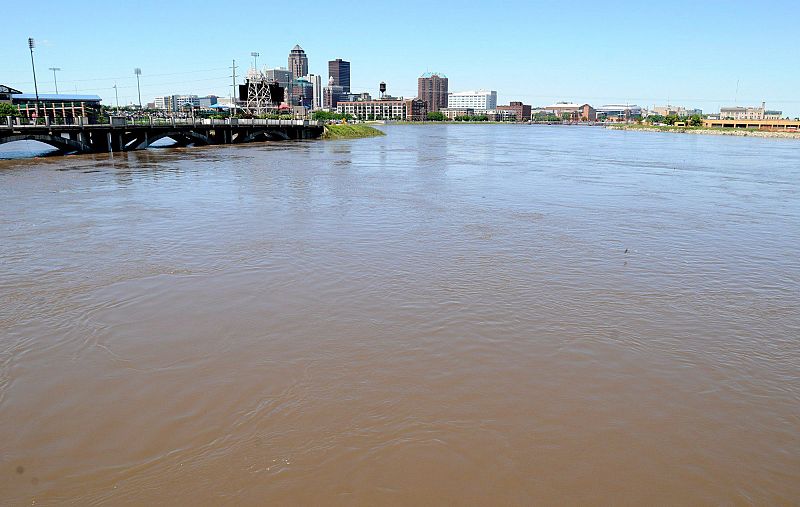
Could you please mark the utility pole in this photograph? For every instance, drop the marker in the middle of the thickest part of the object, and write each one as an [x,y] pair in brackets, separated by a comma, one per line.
[116,94]
[233,90]
[31,45]
[138,73]
[55,81]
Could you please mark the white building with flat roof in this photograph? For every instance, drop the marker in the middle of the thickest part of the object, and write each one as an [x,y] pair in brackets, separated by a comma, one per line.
[479,100]
[316,84]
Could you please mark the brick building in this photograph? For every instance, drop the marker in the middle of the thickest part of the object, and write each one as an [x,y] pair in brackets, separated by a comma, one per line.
[432,89]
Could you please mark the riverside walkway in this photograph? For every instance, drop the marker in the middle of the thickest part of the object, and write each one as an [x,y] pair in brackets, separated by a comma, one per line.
[123,134]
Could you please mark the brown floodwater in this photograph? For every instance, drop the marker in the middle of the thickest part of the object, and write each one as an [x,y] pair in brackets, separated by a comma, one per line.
[450,315]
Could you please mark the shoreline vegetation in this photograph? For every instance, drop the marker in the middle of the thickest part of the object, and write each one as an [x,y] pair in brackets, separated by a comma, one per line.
[708,131]
[350,131]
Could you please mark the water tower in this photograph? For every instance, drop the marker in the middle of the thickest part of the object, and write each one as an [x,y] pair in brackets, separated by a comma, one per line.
[382,88]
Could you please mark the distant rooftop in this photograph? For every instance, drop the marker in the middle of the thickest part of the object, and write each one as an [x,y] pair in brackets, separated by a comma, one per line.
[57,98]
[474,92]
[566,105]
[431,74]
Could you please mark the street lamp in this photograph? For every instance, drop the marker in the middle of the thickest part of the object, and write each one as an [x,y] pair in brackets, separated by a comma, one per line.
[55,81]
[31,45]
[138,73]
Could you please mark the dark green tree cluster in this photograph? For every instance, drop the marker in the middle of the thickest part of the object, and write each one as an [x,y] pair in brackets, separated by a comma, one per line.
[477,117]
[693,121]
[8,110]
[329,116]
[548,117]
[436,116]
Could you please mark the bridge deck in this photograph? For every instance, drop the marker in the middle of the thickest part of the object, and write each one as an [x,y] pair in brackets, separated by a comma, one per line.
[124,134]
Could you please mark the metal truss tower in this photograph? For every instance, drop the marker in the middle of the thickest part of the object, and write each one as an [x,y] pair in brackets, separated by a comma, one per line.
[259,100]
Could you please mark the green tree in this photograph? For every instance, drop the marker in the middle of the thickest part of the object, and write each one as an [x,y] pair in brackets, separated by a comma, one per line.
[436,116]
[671,119]
[695,121]
[8,110]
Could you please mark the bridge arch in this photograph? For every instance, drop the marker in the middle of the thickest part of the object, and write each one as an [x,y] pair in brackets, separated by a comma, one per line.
[270,134]
[58,142]
[178,136]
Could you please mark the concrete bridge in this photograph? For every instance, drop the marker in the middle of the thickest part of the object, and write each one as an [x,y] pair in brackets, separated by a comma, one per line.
[125,134]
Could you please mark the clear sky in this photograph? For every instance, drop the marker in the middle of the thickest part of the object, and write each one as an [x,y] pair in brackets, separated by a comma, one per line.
[690,53]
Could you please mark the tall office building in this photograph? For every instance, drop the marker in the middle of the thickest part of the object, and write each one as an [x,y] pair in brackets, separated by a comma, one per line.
[283,77]
[432,89]
[316,83]
[298,62]
[339,70]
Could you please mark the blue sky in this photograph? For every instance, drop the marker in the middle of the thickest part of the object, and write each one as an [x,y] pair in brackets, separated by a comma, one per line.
[691,53]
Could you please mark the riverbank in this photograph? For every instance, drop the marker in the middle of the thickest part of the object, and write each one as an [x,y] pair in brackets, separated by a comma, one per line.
[708,131]
[350,131]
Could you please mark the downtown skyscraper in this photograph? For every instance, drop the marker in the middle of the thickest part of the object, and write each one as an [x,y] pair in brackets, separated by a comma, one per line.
[298,62]
[339,70]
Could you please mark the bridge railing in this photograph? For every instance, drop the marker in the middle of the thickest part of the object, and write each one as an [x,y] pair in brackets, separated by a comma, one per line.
[154,121]
[249,122]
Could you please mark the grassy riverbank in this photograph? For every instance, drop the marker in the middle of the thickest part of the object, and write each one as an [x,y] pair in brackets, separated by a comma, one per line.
[708,131]
[350,131]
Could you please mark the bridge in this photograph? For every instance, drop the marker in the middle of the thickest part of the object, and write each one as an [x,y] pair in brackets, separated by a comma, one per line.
[125,134]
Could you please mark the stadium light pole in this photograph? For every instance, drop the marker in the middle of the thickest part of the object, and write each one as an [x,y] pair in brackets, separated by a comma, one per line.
[55,81]
[31,45]
[255,56]
[138,73]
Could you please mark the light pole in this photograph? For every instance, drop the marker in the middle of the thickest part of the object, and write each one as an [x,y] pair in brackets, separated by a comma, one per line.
[255,56]
[55,81]
[138,73]
[31,45]
[116,94]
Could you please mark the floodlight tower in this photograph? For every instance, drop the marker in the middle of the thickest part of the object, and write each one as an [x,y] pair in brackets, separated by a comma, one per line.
[138,73]
[55,81]
[31,45]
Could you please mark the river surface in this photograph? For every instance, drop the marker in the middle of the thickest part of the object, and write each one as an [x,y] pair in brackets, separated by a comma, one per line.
[448,315]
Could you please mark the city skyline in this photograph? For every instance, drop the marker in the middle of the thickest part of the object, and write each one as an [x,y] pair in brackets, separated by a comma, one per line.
[644,62]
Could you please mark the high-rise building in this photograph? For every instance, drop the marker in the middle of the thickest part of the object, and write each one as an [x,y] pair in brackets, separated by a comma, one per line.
[316,84]
[339,70]
[302,93]
[298,62]
[432,88]
[283,77]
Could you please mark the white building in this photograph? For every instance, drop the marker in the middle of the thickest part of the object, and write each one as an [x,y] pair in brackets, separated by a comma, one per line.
[479,100]
[749,113]
[619,111]
[176,102]
[316,85]
[164,103]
